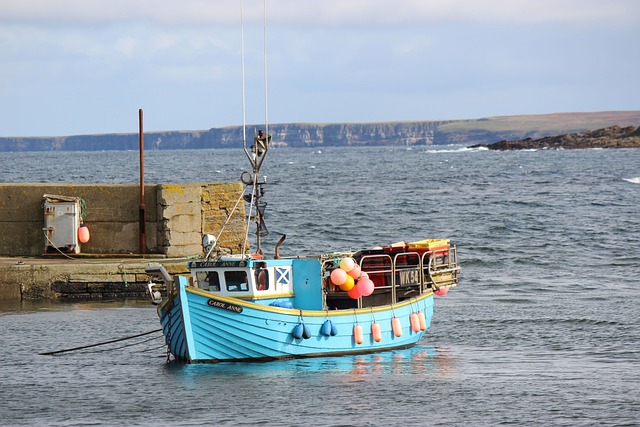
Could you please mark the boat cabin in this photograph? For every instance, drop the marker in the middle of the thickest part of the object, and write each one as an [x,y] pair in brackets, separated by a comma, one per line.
[262,281]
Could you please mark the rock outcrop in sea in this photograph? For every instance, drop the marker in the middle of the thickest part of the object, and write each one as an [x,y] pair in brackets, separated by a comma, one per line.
[610,137]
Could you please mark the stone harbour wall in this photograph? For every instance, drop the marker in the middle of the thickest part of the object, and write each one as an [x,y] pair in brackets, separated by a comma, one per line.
[109,266]
[176,216]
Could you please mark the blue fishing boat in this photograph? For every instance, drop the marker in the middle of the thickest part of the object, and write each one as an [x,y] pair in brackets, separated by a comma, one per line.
[250,307]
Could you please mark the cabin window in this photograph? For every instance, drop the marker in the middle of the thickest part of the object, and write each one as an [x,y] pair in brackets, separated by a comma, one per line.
[262,279]
[208,280]
[236,281]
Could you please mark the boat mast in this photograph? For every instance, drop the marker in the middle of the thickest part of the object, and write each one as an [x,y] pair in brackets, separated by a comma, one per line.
[256,153]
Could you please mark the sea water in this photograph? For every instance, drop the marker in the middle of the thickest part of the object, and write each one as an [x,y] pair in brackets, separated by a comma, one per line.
[544,328]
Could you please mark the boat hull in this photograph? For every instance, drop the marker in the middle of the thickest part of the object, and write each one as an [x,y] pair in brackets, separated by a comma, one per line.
[201,327]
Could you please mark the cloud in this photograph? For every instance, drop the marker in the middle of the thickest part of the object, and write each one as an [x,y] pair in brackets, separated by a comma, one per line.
[82,66]
[320,13]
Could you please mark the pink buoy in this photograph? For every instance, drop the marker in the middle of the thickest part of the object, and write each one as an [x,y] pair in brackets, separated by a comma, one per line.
[357,334]
[422,320]
[355,271]
[83,233]
[338,276]
[441,292]
[354,292]
[365,287]
[375,331]
[415,322]
[348,284]
[396,326]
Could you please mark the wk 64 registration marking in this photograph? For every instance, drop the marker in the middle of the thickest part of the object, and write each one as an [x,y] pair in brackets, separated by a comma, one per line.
[409,277]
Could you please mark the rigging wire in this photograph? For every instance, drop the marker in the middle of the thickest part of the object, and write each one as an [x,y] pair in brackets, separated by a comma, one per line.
[244,97]
[266,98]
[253,193]
[225,223]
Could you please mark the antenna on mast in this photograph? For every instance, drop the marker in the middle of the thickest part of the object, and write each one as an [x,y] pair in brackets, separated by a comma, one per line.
[266,91]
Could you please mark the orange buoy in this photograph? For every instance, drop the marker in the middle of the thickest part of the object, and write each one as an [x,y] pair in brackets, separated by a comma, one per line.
[396,326]
[422,320]
[415,322]
[357,334]
[83,233]
[375,331]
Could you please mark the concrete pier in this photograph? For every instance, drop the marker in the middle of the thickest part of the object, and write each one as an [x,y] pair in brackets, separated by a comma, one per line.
[86,277]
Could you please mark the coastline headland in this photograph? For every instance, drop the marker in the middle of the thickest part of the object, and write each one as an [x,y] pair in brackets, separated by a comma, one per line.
[299,135]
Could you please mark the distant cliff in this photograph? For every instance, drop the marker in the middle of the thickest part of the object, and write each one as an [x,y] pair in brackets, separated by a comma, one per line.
[290,135]
[442,132]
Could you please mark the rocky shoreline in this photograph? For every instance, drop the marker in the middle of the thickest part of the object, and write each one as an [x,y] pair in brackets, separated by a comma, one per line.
[610,137]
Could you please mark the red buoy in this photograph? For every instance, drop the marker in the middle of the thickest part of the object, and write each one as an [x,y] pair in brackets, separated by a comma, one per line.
[441,292]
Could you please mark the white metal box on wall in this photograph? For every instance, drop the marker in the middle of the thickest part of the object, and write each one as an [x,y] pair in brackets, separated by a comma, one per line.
[61,223]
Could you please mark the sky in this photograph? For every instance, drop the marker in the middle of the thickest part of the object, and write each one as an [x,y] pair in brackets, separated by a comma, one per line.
[77,67]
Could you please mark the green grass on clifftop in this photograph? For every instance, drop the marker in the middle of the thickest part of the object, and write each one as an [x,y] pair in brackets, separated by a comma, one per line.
[545,123]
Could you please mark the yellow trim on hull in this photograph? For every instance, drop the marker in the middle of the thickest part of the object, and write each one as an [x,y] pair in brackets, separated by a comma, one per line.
[309,313]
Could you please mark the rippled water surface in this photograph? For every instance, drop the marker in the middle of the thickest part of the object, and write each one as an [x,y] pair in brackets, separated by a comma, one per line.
[544,328]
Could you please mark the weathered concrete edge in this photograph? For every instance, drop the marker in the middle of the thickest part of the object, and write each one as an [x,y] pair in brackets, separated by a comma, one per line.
[92,279]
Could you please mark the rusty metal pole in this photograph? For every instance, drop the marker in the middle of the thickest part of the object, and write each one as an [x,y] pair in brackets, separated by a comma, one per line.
[142,225]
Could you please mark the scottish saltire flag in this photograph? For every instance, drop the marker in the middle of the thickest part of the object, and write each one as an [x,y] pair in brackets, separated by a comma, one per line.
[283,276]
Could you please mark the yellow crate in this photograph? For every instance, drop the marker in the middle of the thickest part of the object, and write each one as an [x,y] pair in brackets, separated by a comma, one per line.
[429,244]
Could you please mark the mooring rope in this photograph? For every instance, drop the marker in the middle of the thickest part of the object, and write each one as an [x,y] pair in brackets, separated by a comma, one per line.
[51,353]
[103,350]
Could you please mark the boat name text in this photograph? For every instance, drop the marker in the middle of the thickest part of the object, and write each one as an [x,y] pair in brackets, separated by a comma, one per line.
[209,264]
[225,305]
